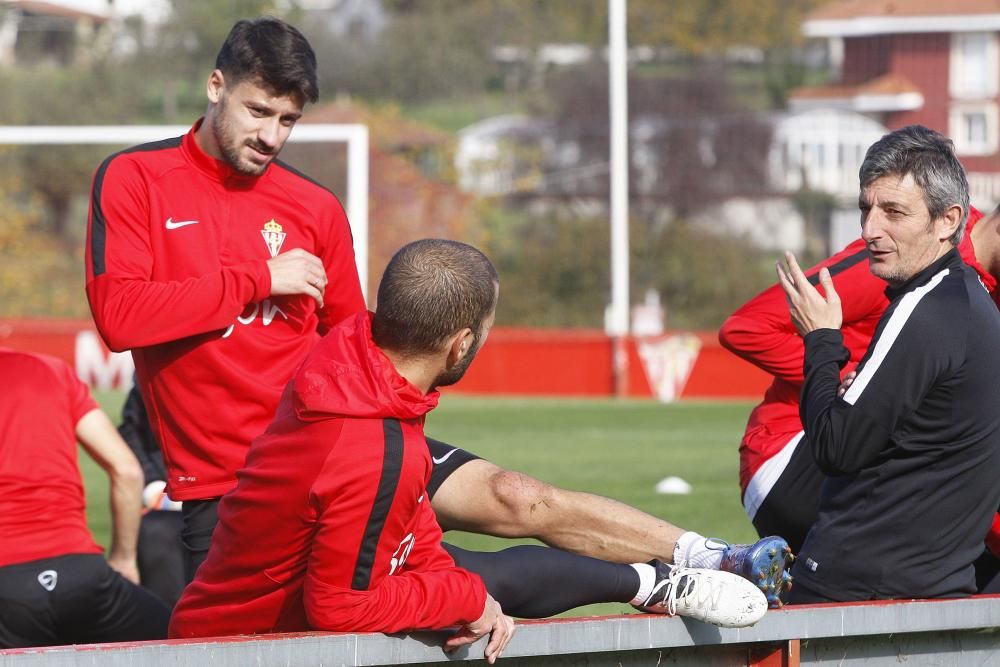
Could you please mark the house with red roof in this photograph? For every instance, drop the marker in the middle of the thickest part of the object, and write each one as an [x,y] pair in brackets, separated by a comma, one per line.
[917,61]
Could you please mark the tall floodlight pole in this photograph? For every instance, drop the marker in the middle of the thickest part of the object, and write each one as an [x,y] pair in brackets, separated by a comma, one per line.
[617,323]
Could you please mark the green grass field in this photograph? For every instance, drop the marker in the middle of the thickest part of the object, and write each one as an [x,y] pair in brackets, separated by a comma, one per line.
[619,449]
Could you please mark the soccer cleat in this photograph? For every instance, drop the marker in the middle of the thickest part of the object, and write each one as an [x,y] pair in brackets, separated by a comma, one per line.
[764,563]
[712,596]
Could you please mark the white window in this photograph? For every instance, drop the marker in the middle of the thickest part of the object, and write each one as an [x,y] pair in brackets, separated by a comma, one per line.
[973,66]
[973,127]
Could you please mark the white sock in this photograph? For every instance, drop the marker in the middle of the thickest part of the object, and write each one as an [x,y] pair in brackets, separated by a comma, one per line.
[647,580]
[694,550]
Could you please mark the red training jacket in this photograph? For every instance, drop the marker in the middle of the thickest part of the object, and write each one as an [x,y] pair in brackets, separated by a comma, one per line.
[330,526]
[42,503]
[177,245]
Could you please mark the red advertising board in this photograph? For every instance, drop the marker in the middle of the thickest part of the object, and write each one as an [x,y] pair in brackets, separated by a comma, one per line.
[550,362]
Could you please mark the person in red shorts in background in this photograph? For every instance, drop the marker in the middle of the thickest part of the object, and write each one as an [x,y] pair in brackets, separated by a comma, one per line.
[55,585]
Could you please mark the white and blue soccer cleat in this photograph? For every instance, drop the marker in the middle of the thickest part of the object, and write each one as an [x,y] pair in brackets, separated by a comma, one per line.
[764,563]
[711,596]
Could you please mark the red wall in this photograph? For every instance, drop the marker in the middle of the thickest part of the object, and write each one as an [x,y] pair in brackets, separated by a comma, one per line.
[719,373]
[49,336]
[543,362]
[924,60]
[865,58]
[579,363]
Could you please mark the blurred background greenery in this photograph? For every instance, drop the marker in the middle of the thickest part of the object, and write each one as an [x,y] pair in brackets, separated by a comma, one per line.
[705,75]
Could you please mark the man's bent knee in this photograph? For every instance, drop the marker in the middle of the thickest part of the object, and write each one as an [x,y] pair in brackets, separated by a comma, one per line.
[525,501]
[484,498]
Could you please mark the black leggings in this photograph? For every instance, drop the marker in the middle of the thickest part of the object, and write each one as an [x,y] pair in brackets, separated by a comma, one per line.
[535,582]
[199,519]
[161,555]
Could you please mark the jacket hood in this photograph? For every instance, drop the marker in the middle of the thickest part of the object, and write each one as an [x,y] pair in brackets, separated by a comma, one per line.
[346,375]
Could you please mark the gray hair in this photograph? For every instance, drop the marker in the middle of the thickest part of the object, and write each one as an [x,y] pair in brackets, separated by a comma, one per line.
[930,158]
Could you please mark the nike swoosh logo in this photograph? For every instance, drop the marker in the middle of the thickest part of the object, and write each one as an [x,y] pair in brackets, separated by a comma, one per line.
[439,461]
[180,223]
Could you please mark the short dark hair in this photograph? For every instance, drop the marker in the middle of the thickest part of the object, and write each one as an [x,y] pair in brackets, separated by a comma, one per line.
[431,289]
[930,158]
[271,51]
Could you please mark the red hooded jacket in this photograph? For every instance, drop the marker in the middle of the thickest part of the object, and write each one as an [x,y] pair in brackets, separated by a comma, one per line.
[329,526]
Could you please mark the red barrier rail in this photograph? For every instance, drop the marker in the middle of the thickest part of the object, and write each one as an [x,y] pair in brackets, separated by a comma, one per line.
[517,361]
[885,633]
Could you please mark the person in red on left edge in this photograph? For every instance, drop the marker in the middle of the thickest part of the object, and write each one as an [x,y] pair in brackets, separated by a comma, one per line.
[219,266]
[56,587]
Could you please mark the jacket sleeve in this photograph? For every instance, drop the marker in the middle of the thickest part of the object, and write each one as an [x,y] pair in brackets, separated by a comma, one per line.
[761,331]
[359,577]
[343,291]
[428,553]
[130,308]
[903,362]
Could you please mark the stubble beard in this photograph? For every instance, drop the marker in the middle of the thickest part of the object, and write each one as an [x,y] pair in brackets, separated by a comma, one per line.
[893,276]
[230,146]
[456,372]
[900,273]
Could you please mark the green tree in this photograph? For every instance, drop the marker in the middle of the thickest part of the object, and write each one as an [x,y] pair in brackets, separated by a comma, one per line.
[555,269]
[706,28]
[702,275]
[35,277]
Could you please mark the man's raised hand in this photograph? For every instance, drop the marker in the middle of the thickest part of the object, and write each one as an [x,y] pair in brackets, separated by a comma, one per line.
[810,310]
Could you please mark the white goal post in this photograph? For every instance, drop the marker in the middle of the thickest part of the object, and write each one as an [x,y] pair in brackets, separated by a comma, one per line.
[354,135]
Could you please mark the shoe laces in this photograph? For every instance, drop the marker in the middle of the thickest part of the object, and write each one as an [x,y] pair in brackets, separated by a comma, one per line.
[698,591]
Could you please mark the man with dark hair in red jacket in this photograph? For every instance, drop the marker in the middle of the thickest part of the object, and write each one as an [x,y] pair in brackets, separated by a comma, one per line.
[210,260]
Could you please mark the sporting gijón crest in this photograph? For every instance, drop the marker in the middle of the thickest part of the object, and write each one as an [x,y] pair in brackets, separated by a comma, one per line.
[274,237]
